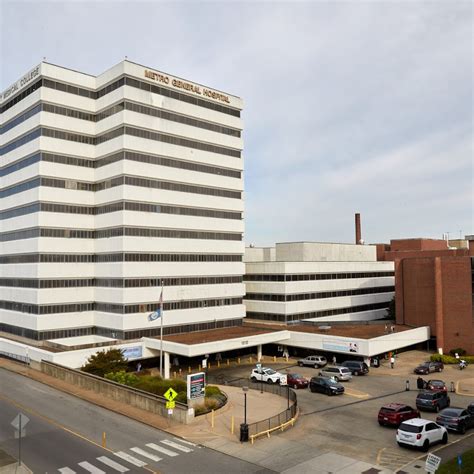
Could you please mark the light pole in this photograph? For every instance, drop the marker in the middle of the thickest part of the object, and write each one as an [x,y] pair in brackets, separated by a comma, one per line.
[244,428]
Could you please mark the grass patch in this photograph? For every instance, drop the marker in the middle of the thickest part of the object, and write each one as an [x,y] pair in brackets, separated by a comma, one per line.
[451,467]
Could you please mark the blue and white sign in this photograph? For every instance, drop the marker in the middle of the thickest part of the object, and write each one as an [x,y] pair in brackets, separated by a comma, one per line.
[155,315]
[132,352]
[340,346]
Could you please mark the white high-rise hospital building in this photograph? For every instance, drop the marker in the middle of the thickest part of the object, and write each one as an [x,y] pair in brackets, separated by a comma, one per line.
[110,184]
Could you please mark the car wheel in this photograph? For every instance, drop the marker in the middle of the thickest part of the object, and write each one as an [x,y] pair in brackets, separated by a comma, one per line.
[355,374]
[449,403]
[437,408]
[462,429]
[316,366]
[400,444]
[300,364]
[253,379]
[445,438]
[270,381]
[426,445]
[336,378]
[380,423]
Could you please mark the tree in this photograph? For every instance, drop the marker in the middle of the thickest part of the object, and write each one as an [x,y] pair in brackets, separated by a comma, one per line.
[125,378]
[391,309]
[104,362]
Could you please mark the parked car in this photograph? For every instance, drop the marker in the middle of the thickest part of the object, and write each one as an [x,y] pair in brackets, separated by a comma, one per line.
[313,361]
[436,401]
[421,433]
[395,413]
[297,381]
[337,373]
[326,385]
[265,375]
[356,367]
[429,367]
[457,419]
[436,386]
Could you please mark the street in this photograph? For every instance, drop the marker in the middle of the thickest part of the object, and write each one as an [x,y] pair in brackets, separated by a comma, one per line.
[64,434]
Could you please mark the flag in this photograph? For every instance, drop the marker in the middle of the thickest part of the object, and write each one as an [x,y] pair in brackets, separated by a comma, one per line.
[158,311]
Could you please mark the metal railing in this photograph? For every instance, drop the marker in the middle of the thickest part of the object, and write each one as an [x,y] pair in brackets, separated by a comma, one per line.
[11,356]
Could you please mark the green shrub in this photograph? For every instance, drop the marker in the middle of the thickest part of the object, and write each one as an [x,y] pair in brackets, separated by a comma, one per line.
[212,391]
[182,397]
[104,362]
[200,409]
[447,359]
[125,378]
[460,351]
[211,403]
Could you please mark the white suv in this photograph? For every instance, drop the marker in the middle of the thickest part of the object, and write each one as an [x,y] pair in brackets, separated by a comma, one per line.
[336,373]
[265,375]
[421,433]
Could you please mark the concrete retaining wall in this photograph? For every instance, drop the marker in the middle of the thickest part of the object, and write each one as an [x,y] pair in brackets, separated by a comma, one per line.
[115,391]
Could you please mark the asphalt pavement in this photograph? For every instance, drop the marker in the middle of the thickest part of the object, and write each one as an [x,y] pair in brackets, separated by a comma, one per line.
[65,435]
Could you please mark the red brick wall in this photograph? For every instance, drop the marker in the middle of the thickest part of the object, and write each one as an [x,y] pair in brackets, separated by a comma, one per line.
[391,255]
[417,244]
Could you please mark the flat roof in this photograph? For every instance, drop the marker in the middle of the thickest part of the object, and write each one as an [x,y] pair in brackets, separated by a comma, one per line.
[222,334]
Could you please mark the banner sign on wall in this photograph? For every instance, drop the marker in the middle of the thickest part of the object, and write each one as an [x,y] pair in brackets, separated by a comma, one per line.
[132,352]
[340,346]
[196,385]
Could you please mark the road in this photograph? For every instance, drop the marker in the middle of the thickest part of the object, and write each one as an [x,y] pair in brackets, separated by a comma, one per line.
[64,435]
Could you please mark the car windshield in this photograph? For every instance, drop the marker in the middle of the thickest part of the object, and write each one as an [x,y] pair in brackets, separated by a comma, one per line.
[270,372]
[331,382]
[437,383]
[451,412]
[410,428]
[388,410]
[296,376]
[345,371]
[425,396]
[426,364]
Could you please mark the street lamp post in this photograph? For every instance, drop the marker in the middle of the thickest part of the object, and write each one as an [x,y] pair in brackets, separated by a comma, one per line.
[244,427]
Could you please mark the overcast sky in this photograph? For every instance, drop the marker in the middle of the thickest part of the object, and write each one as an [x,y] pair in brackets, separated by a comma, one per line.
[349,106]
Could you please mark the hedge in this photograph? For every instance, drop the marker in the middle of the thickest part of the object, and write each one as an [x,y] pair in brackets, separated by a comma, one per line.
[447,359]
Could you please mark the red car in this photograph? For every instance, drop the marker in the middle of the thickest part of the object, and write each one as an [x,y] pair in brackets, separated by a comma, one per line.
[395,413]
[297,381]
[436,386]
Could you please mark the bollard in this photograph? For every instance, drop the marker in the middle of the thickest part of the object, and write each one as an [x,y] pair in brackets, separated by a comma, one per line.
[407,386]
[218,363]
[238,360]
[274,359]
[174,374]
[209,365]
[452,387]
[104,440]
[212,418]
[179,371]
[199,367]
[189,369]
[228,362]
[232,424]
[250,359]
[286,357]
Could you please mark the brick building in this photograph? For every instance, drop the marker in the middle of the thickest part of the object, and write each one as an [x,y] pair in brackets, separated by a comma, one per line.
[434,286]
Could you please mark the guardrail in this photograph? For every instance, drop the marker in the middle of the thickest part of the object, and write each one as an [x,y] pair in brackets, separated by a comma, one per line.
[280,421]
[19,358]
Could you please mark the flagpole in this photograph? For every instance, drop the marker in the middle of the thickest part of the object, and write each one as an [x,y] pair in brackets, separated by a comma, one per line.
[161,331]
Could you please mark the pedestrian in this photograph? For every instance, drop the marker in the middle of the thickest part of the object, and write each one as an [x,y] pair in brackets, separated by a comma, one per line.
[176,361]
[420,383]
[456,355]
[334,360]
[139,367]
[218,357]
[286,354]
[392,362]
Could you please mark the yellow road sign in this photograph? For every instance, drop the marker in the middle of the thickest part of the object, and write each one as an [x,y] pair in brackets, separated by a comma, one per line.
[170,394]
[170,405]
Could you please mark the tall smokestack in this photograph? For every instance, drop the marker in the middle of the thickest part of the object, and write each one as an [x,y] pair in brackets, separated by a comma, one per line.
[357,226]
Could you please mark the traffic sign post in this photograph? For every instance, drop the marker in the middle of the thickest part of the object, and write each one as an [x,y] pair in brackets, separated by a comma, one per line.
[170,394]
[170,405]
[432,463]
[19,423]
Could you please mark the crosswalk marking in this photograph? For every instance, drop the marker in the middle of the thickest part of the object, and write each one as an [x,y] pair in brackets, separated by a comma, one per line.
[176,446]
[89,467]
[162,450]
[114,465]
[185,442]
[66,470]
[145,454]
[130,459]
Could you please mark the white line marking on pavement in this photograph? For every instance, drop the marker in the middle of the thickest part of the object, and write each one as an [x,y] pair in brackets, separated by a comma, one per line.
[66,470]
[176,446]
[186,442]
[145,454]
[162,450]
[114,465]
[130,459]
[89,467]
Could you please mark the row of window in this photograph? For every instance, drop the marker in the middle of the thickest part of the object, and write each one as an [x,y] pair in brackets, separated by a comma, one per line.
[315,314]
[96,117]
[115,207]
[318,295]
[317,276]
[122,155]
[60,86]
[117,282]
[118,181]
[36,232]
[117,257]
[99,139]
[114,308]
[114,333]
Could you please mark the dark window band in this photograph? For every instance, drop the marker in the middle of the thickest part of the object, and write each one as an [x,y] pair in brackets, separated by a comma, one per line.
[315,314]
[60,86]
[115,333]
[117,181]
[315,276]
[318,295]
[117,257]
[36,232]
[117,282]
[117,206]
[126,105]
[123,155]
[115,308]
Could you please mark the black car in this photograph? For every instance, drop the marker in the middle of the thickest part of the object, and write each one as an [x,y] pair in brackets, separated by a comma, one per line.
[356,367]
[326,385]
[433,401]
[457,419]
[429,367]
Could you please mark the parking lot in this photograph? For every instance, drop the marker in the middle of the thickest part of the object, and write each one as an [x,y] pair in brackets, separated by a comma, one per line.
[347,423]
